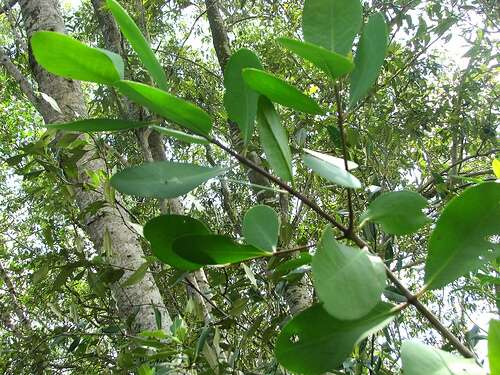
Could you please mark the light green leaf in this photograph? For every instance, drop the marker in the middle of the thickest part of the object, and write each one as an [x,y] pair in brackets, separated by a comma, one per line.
[279,91]
[398,212]
[331,63]
[331,171]
[168,106]
[369,58]
[137,275]
[162,179]
[332,159]
[348,281]
[420,359]
[98,125]
[67,57]
[494,346]
[162,231]
[214,249]
[274,139]
[261,226]
[240,100]
[460,242]
[332,24]
[314,342]
[181,136]
[138,43]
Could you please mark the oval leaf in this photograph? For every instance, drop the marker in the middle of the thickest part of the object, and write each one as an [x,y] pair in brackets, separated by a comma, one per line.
[331,172]
[314,342]
[181,136]
[279,91]
[168,106]
[332,159]
[214,249]
[137,275]
[163,230]
[98,125]
[331,63]
[348,281]
[65,56]
[332,24]
[460,242]
[261,226]
[240,100]
[274,139]
[398,212]
[369,58]
[162,179]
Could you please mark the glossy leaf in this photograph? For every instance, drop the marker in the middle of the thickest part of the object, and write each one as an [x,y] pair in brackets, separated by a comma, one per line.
[333,64]
[180,136]
[460,242]
[240,100]
[274,139]
[369,58]
[162,231]
[494,346]
[304,259]
[420,359]
[162,179]
[349,281]
[315,342]
[214,249]
[332,172]
[398,212]
[65,56]
[279,91]
[98,125]
[261,226]
[332,24]
[168,106]
[332,159]
[139,43]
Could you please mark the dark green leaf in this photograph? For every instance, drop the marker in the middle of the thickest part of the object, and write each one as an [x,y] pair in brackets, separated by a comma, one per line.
[332,24]
[369,58]
[137,275]
[349,281]
[314,342]
[67,57]
[331,168]
[168,106]
[241,101]
[494,346]
[98,125]
[279,91]
[181,136]
[138,43]
[292,264]
[163,230]
[460,242]
[398,212]
[261,226]
[162,179]
[331,63]
[274,139]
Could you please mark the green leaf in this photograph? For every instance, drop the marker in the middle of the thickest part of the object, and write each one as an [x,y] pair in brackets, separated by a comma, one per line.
[181,136]
[329,167]
[332,24]
[261,226]
[420,359]
[162,179]
[331,63]
[67,57]
[369,58]
[240,100]
[279,91]
[214,249]
[494,346]
[314,342]
[292,264]
[460,242]
[349,281]
[398,212]
[138,43]
[274,139]
[163,230]
[168,106]
[98,125]
[137,275]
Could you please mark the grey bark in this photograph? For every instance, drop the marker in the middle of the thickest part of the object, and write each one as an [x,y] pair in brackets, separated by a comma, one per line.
[127,252]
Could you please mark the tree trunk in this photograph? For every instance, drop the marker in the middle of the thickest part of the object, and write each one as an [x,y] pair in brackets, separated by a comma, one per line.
[126,249]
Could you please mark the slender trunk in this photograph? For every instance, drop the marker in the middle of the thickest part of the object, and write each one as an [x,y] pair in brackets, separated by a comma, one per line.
[127,253]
